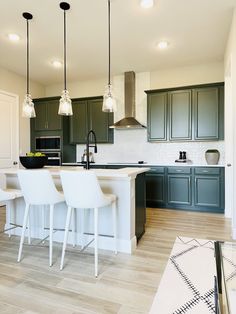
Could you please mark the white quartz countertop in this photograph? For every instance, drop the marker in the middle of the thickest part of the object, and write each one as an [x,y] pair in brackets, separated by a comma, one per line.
[126,172]
[174,164]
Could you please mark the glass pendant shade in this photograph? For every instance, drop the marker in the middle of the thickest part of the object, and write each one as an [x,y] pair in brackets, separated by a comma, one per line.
[65,106]
[28,107]
[109,102]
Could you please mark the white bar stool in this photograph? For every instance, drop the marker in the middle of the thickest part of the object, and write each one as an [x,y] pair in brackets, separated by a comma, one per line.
[38,188]
[82,190]
[9,195]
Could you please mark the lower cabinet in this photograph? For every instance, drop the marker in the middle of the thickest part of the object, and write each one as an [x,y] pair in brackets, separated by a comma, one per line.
[179,183]
[208,186]
[156,187]
[179,190]
[187,188]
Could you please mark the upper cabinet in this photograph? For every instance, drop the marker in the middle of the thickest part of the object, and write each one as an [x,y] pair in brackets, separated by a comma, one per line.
[88,115]
[206,106]
[157,116]
[185,114]
[47,118]
[180,115]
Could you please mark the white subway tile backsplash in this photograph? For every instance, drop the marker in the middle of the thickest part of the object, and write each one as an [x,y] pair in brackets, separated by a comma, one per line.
[132,145]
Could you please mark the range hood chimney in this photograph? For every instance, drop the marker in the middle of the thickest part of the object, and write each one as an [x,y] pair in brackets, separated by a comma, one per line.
[129,121]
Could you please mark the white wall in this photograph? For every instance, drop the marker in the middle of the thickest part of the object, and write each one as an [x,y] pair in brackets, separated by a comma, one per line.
[16,84]
[132,145]
[189,75]
[230,74]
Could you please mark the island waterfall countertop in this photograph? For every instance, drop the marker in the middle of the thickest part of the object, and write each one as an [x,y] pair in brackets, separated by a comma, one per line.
[121,182]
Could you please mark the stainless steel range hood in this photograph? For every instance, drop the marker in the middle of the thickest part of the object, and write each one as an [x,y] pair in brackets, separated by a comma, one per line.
[129,121]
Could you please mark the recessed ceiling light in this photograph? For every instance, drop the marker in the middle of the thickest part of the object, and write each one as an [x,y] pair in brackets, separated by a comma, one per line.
[163,44]
[147,3]
[13,37]
[57,63]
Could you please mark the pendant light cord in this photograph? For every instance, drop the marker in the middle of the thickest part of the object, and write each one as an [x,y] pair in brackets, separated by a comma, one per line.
[65,87]
[27,57]
[109,43]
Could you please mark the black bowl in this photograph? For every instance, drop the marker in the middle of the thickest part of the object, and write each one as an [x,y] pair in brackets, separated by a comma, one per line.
[33,162]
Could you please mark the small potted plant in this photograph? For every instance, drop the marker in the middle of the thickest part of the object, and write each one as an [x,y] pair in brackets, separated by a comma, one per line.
[212,156]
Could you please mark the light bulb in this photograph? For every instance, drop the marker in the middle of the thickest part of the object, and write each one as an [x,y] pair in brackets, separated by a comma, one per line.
[65,107]
[147,3]
[13,37]
[163,44]
[109,102]
[28,110]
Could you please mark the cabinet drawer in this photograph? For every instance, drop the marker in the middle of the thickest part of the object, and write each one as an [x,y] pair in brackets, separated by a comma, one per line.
[156,170]
[207,170]
[179,170]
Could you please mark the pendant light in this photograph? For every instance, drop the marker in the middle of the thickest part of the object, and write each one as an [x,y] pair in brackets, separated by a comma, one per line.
[28,105]
[65,107]
[109,103]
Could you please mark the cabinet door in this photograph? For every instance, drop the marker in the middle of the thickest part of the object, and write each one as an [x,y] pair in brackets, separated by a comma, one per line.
[179,190]
[54,120]
[157,117]
[155,189]
[207,191]
[206,110]
[99,121]
[180,115]
[40,121]
[79,122]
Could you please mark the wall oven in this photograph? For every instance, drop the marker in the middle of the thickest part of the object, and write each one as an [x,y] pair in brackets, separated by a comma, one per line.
[48,143]
[54,158]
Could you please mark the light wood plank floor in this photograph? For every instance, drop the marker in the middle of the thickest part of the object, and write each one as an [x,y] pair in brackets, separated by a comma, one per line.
[126,284]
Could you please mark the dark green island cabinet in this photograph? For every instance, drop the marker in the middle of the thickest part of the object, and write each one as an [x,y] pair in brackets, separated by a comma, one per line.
[190,188]
[192,113]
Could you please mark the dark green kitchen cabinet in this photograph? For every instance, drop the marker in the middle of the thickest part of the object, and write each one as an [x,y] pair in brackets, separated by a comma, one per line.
[47,118]
[180,115]
[208,188]
[157,117]
[156,187]
[206,113]
[88,115]
[191,113]
[179,186]
[187,188]
[78,122]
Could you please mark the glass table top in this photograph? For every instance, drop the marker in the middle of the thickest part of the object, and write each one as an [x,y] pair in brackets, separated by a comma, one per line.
[225,253]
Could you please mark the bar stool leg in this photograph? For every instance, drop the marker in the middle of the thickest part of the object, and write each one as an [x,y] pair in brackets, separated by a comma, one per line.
[73,227]
[114,225]
[51,234]
[68,217]
[29,231]
[82,219]
[23,231]
[96,241]
[43,222]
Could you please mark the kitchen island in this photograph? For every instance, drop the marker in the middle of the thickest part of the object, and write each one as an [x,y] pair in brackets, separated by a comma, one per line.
[130,208]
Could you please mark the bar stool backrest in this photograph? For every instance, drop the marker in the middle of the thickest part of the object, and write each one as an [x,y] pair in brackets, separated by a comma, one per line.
[82,189]
[38,187]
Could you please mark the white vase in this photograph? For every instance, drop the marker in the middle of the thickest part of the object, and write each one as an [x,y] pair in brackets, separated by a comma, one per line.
[212,157]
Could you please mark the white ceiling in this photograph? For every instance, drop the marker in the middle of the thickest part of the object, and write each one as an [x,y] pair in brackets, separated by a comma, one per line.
[197,31]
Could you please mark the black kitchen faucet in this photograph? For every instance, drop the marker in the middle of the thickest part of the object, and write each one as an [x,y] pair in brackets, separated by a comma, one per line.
[89,145]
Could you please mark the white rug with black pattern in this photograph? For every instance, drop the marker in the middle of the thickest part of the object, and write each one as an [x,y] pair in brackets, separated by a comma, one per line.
[187,285]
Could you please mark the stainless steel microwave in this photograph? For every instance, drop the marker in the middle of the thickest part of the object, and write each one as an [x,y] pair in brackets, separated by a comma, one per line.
[48,143]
